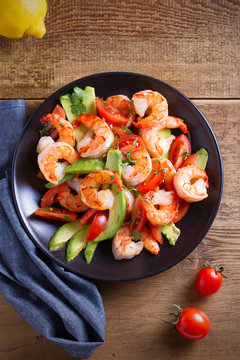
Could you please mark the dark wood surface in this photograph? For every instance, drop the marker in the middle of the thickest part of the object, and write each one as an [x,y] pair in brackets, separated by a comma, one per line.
[195,47]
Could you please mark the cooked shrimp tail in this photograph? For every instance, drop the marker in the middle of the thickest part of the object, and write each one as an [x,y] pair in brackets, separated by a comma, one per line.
[64,128]
[152,104]
[191,183]
[123,246]
[97,140]
[93,191]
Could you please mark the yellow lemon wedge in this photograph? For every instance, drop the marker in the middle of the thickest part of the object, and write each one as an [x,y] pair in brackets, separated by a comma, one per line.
[22,17]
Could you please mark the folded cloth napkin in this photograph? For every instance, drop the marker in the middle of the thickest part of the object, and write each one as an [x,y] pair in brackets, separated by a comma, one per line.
[60,305]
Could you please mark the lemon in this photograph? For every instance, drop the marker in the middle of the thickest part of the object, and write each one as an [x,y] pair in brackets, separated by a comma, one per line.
[22,17]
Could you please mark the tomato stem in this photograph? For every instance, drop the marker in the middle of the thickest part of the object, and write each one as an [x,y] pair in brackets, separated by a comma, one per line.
[218,267]
[177,315]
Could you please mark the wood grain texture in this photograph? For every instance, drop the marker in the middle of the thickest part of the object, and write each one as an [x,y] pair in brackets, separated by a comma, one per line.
[134,310]
[192,45]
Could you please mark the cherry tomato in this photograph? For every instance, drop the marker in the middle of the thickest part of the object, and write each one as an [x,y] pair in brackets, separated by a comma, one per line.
[139,217]
[191,160]
[179,150]
[98,224]
[87,217]
[182,210]
[153,180]
[58,110]
[129,142]
[115,109]
[209,279]
[56,214]
[50,196]
[191,323]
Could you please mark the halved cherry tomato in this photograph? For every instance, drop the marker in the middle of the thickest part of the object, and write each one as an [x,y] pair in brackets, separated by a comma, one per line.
[50,196]
[56,214]
[156,232]
[209,279]
[153,180]
[120,130]
[191,323]
[115,109]
[139,217]
[180,149]
[58,110]
[191,160]
[98,224]
[182,210]
[87,217]
[129,142]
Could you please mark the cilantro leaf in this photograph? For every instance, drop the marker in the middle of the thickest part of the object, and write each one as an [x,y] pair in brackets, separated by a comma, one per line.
[126,129]
[79,92]
[43,131]
[136,235]
[129,160]
[78,109]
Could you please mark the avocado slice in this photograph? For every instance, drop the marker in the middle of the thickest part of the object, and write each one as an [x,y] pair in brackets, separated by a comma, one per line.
[117,213]
[85,166]
[66,103]
[89,251]
[171,232]
[165,133]
[77,243]
[63,234]
[114,161]
[203,158]
[89,100]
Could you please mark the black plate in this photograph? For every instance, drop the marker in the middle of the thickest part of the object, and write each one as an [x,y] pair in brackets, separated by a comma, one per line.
[27,189]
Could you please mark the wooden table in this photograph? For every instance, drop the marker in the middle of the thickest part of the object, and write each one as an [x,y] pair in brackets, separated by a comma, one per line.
[195,47]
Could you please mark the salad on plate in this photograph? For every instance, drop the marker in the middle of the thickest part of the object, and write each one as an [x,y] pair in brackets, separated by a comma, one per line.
[117,169]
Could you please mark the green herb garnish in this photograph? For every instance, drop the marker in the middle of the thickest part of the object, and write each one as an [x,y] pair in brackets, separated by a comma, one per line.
[126,129]
[136,235]
[159,171]
[146,198]
[113,177]
[185,154]
[43,131]
[129,160]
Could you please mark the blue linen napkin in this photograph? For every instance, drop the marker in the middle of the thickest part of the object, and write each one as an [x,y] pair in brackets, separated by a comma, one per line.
[60,305]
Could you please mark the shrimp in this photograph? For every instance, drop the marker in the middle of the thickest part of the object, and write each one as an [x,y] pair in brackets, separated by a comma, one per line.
[53,170]
[172,122]
[123,246]
[44,141]
[91,146]
[91,190]
[156,146]
[149,242]
[70,201]
[160,206]
[139,167]
[64,128]
[169,172]
[191,183]
[149,101]
[130,202]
